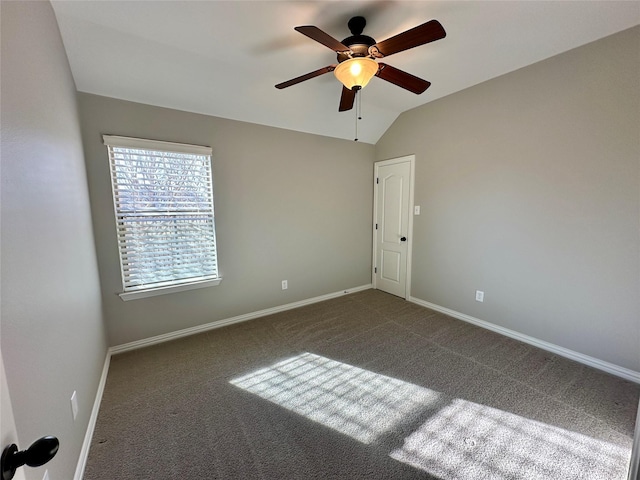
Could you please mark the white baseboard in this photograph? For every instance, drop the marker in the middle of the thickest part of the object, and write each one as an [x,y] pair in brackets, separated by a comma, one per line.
[611,368]
[229,321]
[84,451]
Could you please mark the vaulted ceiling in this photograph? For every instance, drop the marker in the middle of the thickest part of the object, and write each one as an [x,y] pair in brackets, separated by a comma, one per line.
[223,58]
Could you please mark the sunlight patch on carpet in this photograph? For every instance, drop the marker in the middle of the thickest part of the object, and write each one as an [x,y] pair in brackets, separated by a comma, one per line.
[459,440]
[356,402]
[466,440]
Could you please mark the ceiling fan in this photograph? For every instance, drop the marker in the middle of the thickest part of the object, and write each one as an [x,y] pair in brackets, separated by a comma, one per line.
[357,56]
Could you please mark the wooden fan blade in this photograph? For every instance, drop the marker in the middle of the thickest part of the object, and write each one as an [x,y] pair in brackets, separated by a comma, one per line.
[308,76]
[402,79]
[346,99]
[425,33]
[314,33]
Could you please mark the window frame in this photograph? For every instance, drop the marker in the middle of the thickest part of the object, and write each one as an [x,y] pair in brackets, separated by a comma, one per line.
[140,291]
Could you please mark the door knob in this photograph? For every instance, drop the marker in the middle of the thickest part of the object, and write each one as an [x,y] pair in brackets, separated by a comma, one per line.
[403,239]
[39,453]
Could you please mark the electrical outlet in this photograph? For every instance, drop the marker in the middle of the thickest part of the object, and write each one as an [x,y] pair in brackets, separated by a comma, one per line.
[285,284]
[479,296]
[74,404]
[46,475]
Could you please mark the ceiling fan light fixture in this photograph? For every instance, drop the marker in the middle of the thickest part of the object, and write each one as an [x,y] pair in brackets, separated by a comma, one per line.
[356,72]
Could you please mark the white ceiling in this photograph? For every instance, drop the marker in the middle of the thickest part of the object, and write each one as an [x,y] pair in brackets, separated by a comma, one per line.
[223,58]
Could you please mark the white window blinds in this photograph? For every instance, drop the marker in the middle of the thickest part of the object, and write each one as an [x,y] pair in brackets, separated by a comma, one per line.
[163,199]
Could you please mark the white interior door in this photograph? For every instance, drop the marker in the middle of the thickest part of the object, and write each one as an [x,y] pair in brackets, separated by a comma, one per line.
[393,196]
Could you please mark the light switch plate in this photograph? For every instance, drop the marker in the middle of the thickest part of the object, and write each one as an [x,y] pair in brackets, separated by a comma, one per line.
[416,210]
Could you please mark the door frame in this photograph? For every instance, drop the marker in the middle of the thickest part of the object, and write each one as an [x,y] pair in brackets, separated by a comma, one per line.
[412,168]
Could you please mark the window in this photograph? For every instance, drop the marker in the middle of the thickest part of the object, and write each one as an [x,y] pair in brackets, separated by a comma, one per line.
[163,201]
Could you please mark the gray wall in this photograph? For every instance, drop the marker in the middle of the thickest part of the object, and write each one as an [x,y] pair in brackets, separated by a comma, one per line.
[53,340]
[288,205]
[530,186]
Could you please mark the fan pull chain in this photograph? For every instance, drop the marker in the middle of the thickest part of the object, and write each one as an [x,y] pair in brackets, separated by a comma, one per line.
[358,110]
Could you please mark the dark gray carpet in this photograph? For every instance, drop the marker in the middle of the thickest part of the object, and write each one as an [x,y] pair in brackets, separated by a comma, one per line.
[362,386]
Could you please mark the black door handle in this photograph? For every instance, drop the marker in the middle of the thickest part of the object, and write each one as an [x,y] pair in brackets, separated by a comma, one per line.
[39,453]
[403,239]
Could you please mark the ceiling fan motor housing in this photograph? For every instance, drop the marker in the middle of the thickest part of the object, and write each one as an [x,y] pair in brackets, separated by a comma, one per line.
[358,46]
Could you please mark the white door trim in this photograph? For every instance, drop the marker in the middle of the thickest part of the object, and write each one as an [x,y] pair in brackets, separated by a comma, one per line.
[634,465]
[392,161]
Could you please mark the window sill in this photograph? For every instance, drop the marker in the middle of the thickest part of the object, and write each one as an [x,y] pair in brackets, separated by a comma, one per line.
[152,292]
